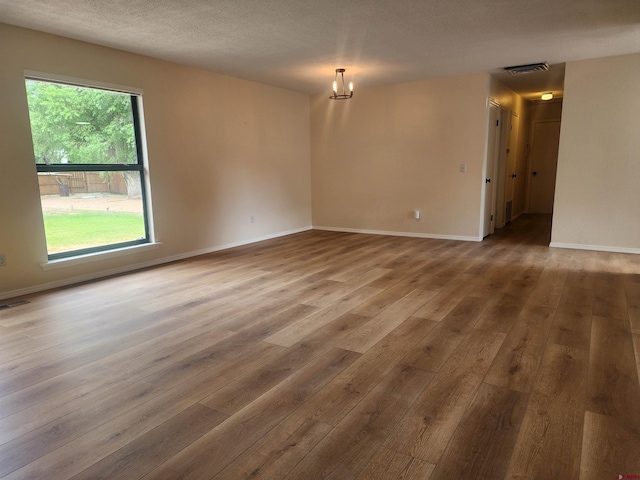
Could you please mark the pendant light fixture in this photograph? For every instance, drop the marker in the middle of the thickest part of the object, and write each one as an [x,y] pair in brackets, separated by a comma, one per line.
[344,95]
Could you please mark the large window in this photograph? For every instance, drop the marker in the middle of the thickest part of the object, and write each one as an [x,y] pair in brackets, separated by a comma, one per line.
[88,156]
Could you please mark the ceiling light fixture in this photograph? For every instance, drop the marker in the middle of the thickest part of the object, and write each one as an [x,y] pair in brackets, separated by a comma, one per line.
[344,95]
[546,96]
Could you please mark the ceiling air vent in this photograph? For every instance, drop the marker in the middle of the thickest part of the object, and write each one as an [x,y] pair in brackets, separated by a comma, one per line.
[532,67]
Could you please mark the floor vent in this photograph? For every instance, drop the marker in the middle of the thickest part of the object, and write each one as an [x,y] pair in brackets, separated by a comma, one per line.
[14,304]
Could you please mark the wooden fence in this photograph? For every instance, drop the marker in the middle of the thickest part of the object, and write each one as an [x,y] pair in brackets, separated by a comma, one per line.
[82,182]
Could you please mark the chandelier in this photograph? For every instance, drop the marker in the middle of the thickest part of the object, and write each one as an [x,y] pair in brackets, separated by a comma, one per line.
[344,95]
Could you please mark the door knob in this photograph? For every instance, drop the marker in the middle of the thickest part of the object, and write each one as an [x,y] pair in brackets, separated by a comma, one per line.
[487,180]
[535,173]
[513,175]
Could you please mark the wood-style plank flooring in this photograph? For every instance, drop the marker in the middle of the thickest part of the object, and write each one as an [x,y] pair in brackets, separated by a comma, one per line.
[333,355]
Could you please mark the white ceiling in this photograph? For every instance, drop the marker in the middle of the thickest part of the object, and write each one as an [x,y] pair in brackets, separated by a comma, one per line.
[297,44]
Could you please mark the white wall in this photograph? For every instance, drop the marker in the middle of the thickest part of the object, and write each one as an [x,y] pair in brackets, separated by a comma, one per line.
[220,149]
[597,196]
[390,150]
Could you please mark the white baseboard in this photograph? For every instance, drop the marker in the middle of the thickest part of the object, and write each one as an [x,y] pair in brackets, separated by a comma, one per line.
[399,234]
[515,217]
[138,266]
[596,248]
[240,243]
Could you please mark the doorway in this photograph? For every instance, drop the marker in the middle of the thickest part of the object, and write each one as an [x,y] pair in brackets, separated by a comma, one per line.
[545,139]
[493,153]
[511,163]
[509,190]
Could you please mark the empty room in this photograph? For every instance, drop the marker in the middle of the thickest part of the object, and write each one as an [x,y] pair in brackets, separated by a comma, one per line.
[312,240]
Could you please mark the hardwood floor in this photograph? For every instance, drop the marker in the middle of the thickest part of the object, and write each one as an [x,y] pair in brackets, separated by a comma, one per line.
[333,355]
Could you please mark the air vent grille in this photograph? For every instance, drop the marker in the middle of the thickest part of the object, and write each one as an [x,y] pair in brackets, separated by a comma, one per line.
[532,67]
[14,304]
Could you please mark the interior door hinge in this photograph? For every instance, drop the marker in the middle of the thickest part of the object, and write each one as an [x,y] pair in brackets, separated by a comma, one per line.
[492,218]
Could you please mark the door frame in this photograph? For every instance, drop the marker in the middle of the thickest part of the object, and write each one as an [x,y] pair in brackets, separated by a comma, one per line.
[505,116]
[493,175]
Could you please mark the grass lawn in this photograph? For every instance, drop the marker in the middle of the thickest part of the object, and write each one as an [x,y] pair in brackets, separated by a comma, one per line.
[71,231]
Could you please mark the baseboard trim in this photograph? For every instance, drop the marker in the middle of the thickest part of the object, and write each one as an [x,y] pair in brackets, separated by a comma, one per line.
[139,266]
[596,248]
[226,246]
[515,217]
[399,234]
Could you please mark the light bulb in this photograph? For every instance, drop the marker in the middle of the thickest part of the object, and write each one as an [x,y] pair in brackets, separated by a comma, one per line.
[335,87]
[351,86]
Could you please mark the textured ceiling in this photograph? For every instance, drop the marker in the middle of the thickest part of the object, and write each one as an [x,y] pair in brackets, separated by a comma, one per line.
[297,44]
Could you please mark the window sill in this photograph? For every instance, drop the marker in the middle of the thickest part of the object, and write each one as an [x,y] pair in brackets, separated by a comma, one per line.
[94,257]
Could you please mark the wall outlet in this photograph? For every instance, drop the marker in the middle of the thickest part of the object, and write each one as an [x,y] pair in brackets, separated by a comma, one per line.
[2,260]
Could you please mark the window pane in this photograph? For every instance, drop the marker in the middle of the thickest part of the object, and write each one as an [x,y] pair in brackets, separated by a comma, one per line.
[89,170]
[91,209]
[80,125]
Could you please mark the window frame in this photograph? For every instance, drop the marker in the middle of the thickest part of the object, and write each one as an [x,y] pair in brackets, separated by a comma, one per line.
[139,166]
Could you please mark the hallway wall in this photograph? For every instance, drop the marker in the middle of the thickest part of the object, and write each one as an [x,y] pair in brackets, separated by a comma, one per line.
[598,180]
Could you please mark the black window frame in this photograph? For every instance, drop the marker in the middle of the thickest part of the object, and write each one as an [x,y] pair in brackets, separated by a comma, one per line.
[139,166]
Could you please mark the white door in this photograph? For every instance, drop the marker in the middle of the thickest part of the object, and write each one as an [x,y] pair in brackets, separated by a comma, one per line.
[544,163]
[493,144]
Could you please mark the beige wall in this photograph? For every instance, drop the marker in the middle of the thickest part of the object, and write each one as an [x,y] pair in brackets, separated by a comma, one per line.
[390,150]
[220,149]
[598,183]
[507,98]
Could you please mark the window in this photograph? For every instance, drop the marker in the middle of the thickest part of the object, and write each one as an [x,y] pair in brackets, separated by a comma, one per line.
[88,157]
